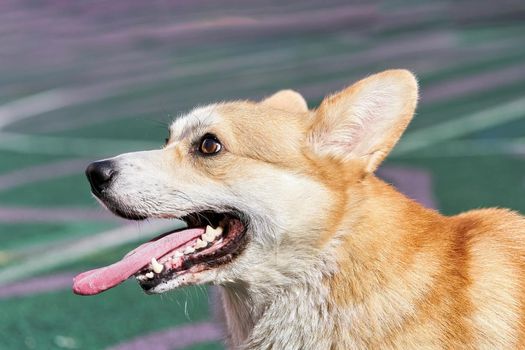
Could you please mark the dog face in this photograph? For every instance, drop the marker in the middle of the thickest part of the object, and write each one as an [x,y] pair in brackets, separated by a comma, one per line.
[274,174]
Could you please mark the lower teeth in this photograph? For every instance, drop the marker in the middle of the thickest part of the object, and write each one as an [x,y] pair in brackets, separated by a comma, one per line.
[207,238]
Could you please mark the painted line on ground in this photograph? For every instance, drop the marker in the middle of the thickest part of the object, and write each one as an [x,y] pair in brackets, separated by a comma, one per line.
[412,141]
[471,148]
[37,285]
[64,252]
[54,99]
[481,81]
[35,104]
[461,126]
[439,92]
[55,145]
[45,101]
[175,338]
[222,28]
[25,214]
[41,172]
[436,45]
[413,182]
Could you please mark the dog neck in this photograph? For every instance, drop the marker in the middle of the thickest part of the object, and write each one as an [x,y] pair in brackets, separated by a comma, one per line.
[362,280]
[290,319]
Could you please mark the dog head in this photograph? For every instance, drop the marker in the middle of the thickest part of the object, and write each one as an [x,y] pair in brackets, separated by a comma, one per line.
[272,180]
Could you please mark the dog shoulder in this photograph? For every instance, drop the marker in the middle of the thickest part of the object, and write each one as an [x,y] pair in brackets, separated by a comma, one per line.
[496,250]
[495,223]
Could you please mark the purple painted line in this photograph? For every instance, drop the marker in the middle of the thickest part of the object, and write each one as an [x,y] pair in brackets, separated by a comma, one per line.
[508,10]
[410,16]
[441,91]
[415,183]
[12,215]
[42,172]
[439,58]
[216,308]
[37,285]
[248,26]
[472,84]
[174,338]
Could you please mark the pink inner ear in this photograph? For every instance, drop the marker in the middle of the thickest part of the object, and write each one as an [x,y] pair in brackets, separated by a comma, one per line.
[366,120]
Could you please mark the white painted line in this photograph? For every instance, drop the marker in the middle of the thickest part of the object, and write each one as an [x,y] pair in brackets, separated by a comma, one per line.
[45,101]
[54,99]
[56,145]
[412,141]
[68,251]
[35,104]
[471,148]
[54,215]
[41,172]
[461,126]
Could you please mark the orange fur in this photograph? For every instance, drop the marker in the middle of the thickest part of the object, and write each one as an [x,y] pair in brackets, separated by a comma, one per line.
[403,276]
[412,277]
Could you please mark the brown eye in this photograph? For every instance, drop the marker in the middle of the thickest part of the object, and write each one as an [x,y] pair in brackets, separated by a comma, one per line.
[210,145]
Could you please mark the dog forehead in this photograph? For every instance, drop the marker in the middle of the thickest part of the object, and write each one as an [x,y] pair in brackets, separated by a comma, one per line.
[200,117]
[242,122]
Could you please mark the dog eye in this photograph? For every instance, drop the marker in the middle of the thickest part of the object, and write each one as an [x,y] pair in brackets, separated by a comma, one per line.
[210,145]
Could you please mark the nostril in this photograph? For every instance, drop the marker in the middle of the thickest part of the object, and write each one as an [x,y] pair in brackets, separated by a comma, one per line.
[103,175]
[100,175]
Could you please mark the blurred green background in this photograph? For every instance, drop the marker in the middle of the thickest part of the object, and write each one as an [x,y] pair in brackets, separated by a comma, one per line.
[84,80]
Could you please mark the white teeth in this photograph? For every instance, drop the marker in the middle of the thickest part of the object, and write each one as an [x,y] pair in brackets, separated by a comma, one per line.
[189,250]
[177,255]
[208,237]
[156,266]
[200,244]
[150,275]
[213,232]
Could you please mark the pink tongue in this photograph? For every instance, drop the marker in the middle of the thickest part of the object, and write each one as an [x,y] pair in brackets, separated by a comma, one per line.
[98,280]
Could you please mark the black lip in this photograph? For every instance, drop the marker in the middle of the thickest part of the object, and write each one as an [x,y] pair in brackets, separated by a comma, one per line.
[117,210]
[95,191]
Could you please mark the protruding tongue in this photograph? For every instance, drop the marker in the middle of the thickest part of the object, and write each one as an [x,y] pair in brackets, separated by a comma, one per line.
[98,280]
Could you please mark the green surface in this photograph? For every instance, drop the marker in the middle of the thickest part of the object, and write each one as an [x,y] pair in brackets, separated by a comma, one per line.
[61,191]
[32,234]
[464,183]
[11,161]
[113,317]
[122,73]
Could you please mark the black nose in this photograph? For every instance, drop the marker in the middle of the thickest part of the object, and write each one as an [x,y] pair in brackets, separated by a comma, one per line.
[100,175]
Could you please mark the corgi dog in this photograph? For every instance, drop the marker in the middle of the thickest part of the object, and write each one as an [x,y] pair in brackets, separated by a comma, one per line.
[310,249]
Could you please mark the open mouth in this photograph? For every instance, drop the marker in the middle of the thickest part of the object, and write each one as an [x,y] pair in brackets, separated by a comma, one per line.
[211,240]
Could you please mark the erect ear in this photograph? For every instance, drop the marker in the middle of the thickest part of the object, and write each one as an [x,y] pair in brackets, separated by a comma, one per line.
[365,120]
[288,100]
